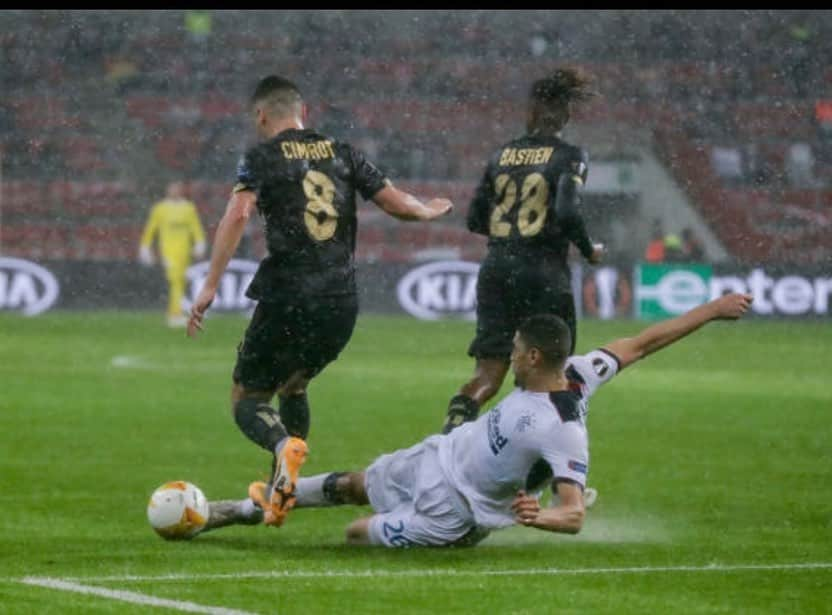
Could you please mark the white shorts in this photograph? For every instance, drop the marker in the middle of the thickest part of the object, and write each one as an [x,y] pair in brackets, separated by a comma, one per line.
[413,502]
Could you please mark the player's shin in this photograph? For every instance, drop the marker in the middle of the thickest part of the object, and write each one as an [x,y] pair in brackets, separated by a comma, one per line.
[460,410]
[294,414]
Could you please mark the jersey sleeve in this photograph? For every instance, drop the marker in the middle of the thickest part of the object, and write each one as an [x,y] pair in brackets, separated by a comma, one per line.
[579,165]
[477,219]
[568,202]
[368,177]
[567,453]
[591,370]
[248,175]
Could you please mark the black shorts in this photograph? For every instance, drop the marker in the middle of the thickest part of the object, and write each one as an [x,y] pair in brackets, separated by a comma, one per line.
[502,305]
[283,338]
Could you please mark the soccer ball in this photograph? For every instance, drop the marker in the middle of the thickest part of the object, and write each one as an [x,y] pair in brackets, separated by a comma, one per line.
[178,510]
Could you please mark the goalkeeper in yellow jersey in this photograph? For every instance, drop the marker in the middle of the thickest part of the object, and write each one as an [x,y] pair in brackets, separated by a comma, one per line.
[176,221]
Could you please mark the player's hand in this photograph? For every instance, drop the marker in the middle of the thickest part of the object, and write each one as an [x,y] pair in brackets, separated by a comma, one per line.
[145,256]
[733,306]
[599,251]
[438,207]
[525,509]
[198,309]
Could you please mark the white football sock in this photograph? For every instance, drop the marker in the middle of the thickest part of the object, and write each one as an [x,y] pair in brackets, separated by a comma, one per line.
[248,509]
[279,446]
[310,491]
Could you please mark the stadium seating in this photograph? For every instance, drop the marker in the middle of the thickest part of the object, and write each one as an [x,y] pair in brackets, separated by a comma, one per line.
[434,112]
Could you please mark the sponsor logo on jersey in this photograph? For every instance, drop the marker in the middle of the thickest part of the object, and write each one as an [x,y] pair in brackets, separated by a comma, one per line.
[496,441]
[577,466]
[26,287]
[231,292]
[441,289]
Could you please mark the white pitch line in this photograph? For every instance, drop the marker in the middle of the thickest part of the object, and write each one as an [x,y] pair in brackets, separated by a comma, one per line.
[452,573]
[131,597]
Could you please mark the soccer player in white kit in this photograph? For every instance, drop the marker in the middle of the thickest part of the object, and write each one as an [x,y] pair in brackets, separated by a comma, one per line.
[488,474]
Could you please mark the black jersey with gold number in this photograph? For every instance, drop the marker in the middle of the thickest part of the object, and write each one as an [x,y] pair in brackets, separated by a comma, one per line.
[515,206]
[306,185]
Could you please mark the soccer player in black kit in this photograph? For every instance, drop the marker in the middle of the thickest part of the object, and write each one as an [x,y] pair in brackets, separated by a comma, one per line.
[304,185]
[528,205]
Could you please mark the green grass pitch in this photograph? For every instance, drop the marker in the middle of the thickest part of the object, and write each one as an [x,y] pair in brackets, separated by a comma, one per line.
[713,460]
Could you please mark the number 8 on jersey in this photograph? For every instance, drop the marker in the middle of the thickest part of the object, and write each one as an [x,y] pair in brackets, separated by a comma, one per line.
[321,217]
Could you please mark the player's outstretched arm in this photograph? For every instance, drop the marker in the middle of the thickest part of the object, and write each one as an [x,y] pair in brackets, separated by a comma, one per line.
[229,233]
[404,206]
[655,337]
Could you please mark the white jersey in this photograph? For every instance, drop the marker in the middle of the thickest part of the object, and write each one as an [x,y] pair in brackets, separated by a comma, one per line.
[525,440]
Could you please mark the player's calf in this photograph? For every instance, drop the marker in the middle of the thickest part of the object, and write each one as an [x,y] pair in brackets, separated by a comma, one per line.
[465,406]
[294,414]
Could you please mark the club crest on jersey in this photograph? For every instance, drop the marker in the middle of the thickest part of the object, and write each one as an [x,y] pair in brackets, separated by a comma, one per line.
[524,422]
[577,466]
[600,367]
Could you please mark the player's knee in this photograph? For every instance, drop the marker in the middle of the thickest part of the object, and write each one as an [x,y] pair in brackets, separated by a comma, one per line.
[293,388]
[358,532]
[296,384]
[238,393]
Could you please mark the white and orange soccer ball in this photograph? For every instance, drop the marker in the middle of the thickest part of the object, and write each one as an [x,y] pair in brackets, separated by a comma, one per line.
[177,510]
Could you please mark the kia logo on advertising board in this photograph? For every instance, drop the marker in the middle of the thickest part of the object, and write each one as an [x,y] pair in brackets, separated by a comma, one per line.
[231,292]
[26,287]
[440,290]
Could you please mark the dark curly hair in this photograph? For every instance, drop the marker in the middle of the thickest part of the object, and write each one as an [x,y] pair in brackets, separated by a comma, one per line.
[551,98]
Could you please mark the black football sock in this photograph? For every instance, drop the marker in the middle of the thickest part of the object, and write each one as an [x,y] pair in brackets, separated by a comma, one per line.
[461,409]
[260,423]
[294,414]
